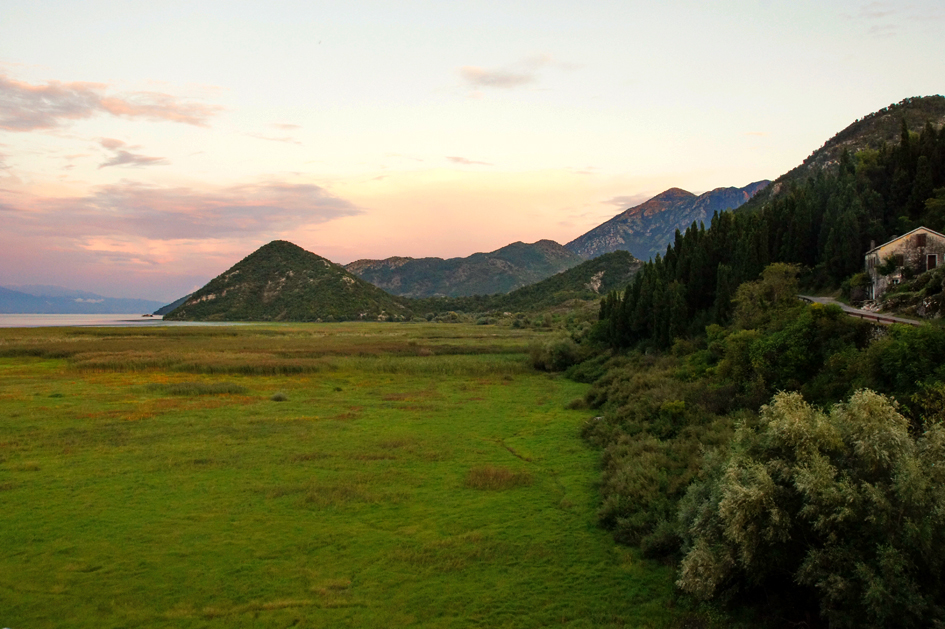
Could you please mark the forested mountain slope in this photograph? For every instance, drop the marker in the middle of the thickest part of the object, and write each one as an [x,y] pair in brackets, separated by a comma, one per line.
[499,271]
[588,280]
[870,132]
[825,224]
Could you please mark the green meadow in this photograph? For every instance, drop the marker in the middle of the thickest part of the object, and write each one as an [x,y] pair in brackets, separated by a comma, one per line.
[323,475]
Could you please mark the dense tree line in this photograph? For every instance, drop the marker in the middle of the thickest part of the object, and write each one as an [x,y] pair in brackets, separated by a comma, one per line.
[695,469]
[825,224]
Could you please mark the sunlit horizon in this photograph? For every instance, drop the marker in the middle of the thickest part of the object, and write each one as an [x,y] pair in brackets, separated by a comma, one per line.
[144,149]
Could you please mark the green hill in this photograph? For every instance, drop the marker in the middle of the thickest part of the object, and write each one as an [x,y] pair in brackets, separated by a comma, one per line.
[588,280]
[283,282]
[499,271]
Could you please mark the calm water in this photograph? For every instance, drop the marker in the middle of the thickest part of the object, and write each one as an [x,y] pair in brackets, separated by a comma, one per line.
[68,320]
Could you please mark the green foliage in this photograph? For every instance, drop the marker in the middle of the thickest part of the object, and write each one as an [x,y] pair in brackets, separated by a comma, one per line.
[652,431]
[659,413]
[847,504]
[776,290]
[557,354]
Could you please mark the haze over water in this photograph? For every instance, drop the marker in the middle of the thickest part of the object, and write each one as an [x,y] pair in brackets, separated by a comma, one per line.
[91,320]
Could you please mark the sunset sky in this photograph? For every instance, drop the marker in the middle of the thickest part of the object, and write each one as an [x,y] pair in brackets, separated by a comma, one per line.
[147,146]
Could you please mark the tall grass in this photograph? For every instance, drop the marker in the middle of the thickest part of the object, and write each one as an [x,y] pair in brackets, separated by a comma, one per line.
[496,478]
[298,349]
[197,388]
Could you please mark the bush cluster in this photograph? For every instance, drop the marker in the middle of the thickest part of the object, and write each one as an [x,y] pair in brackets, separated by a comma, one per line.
[668,426]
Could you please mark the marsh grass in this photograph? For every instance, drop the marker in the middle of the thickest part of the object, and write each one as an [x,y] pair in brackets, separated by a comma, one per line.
[450,554]
[496,478]
[197,388]
[384,491]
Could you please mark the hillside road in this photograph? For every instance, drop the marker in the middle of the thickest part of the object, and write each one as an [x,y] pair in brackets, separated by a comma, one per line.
[857,312]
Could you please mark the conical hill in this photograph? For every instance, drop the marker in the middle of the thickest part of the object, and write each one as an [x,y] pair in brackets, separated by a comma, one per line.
[283,282]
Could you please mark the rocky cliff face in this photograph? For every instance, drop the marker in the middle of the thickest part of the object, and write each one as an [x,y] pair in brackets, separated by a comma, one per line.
[646,229]
[500,271]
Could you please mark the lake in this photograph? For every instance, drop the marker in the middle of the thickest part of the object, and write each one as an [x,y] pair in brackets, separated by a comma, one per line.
[95,320]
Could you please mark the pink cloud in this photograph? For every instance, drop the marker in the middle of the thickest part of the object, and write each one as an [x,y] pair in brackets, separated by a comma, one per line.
[518,74]
[481,77]
[27,107]
[467,162]
[122,157]
[155,213]
[111,143]
[628,201]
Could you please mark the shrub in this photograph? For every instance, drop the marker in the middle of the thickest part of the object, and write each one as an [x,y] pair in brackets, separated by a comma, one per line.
[557,354]
[279,397]
[847,505]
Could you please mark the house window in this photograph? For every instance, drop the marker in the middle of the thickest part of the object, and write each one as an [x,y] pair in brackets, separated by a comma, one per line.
[931,261]
[920,240]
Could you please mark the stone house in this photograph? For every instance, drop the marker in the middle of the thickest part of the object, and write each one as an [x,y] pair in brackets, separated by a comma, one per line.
[919,251]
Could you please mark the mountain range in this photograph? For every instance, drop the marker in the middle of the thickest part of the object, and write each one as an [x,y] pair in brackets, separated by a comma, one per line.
[284,282]
[499,271]
[643,230]
[589,280]
[646,229]
[42,299]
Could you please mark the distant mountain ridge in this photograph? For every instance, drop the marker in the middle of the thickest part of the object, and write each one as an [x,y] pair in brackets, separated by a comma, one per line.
[500,271]
[174,305]
[588,280]
[645,230]
[281,281]
[59,300]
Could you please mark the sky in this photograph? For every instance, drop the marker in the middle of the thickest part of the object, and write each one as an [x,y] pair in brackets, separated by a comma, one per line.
[145,147]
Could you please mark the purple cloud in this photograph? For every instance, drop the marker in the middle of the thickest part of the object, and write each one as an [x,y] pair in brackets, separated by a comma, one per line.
[27,107]
[122,157]
[135,209]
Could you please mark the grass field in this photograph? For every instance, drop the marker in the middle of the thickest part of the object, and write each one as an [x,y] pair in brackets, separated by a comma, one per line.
[329,475]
